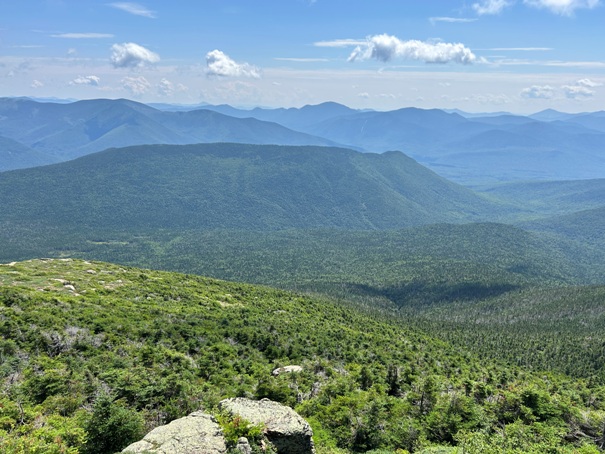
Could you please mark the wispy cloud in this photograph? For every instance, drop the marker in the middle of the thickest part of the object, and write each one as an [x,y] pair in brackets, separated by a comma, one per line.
[86,80]
[27,46]
[134,8]
[36,84]
[82,35]
[220,64]
[385,48]
[130,55]
[520,49]
[453,20]
[563,7]
[302,60]
[491,7]
[340,43]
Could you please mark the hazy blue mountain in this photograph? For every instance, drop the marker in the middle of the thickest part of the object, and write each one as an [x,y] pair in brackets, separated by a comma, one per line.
[236,186]
[15,155]
[594,120]
[295,118]
[464,114]
[65,131]
[550,115]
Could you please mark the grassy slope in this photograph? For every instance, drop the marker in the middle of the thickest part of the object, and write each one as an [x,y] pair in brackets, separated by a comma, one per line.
[163,344]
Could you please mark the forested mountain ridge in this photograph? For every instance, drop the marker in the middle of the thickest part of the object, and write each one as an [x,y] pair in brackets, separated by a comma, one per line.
[237,186]
[60,132]
[97,352]
[465,148]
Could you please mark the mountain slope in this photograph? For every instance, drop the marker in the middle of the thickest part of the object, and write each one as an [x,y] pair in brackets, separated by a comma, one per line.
[15,155]
[236,186]
[94,352]
[550,197]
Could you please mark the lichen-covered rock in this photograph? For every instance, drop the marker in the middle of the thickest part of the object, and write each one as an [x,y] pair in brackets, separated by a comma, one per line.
[284,428]
[198,433]
[287,369]
[243,446]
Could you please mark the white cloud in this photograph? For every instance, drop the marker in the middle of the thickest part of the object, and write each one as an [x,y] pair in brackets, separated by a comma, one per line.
[72,52]
[562,7]
[301,60]
[167,88]
[220,64]
[364,95]
[134,8]
[490,7]
[453,20]
[582,88]
[520,49]
[340,43]
[385,48]
[137,86]
[83,35]
[129,55]
[538,92]
[86,80]
[36,84]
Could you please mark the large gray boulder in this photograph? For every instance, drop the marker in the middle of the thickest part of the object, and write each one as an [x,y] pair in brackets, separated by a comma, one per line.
[284,428]
[198,433]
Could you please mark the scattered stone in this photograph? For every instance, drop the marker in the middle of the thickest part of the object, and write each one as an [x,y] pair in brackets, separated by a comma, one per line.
[284,428]
[243,446]
[69,287]
[286,369]
[91,271]
[198,433]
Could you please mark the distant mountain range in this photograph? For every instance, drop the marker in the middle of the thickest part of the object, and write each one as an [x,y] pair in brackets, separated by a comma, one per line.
[237,186]
[467,148]
[59,132]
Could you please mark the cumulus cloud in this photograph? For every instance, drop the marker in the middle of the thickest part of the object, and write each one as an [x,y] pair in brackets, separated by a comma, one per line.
[220,64]
[134,8]
[385,48]
[86,80]
[563,7]
[490,7]
[130,55]
[137,86]
[167,88]
[538,92]
[36,84]
[582,88]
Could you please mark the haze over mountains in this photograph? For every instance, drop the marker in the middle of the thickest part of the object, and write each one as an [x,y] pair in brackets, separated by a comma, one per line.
[469,149]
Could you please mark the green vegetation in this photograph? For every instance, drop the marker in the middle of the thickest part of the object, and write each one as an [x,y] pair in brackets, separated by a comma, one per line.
[236,186]
[88,346]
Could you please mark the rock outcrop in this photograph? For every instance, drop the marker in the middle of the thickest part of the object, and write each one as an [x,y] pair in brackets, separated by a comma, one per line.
[199,433]
[286,369]
[284,428]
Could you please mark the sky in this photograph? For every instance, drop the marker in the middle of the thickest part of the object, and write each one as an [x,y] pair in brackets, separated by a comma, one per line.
[519,56]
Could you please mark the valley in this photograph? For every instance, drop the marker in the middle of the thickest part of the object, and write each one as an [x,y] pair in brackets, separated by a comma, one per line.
[428,314]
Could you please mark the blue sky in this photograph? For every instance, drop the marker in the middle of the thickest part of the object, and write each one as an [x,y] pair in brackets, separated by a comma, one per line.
[477,55]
